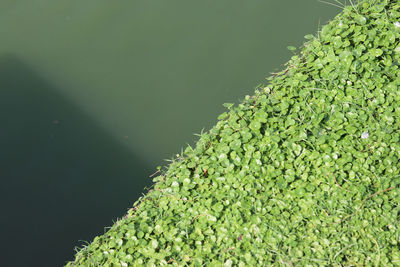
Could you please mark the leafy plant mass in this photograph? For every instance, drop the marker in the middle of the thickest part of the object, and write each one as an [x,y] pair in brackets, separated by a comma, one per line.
[303,173]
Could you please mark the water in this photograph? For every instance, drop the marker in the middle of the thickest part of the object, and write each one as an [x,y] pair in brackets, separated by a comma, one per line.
[95,94]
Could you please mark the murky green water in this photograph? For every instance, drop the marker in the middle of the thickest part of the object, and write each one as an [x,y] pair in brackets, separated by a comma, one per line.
[94,94]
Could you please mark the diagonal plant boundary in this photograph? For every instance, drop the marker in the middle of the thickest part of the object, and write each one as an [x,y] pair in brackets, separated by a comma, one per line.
[305,172]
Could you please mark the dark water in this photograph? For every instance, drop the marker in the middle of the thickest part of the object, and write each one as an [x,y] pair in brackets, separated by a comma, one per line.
[94,94]
[63,177]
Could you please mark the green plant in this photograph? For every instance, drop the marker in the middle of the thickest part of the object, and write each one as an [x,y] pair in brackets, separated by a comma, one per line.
[304,172]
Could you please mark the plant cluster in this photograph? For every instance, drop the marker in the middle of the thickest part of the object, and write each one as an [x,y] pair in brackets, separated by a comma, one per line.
[303,173]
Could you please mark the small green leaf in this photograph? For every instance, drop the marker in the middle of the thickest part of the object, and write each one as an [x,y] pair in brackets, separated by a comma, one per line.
[228,105]
[378,52]
[309,36]
[360,19]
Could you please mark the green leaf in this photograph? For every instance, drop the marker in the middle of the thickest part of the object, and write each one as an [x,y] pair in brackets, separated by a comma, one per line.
[309,36]
[228,105]
[360,19]
[378,52]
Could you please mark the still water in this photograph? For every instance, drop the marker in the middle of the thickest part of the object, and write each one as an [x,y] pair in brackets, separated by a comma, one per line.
[94,94]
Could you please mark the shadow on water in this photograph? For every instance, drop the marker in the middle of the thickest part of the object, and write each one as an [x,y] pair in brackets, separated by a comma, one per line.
[62,177]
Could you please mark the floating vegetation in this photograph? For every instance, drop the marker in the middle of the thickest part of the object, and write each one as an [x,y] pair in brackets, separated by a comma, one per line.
[303,173]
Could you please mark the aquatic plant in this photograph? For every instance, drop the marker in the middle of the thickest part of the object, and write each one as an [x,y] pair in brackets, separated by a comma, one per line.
[303,173]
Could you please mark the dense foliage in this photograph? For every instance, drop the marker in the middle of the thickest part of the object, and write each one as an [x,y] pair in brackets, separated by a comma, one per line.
[305,172]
